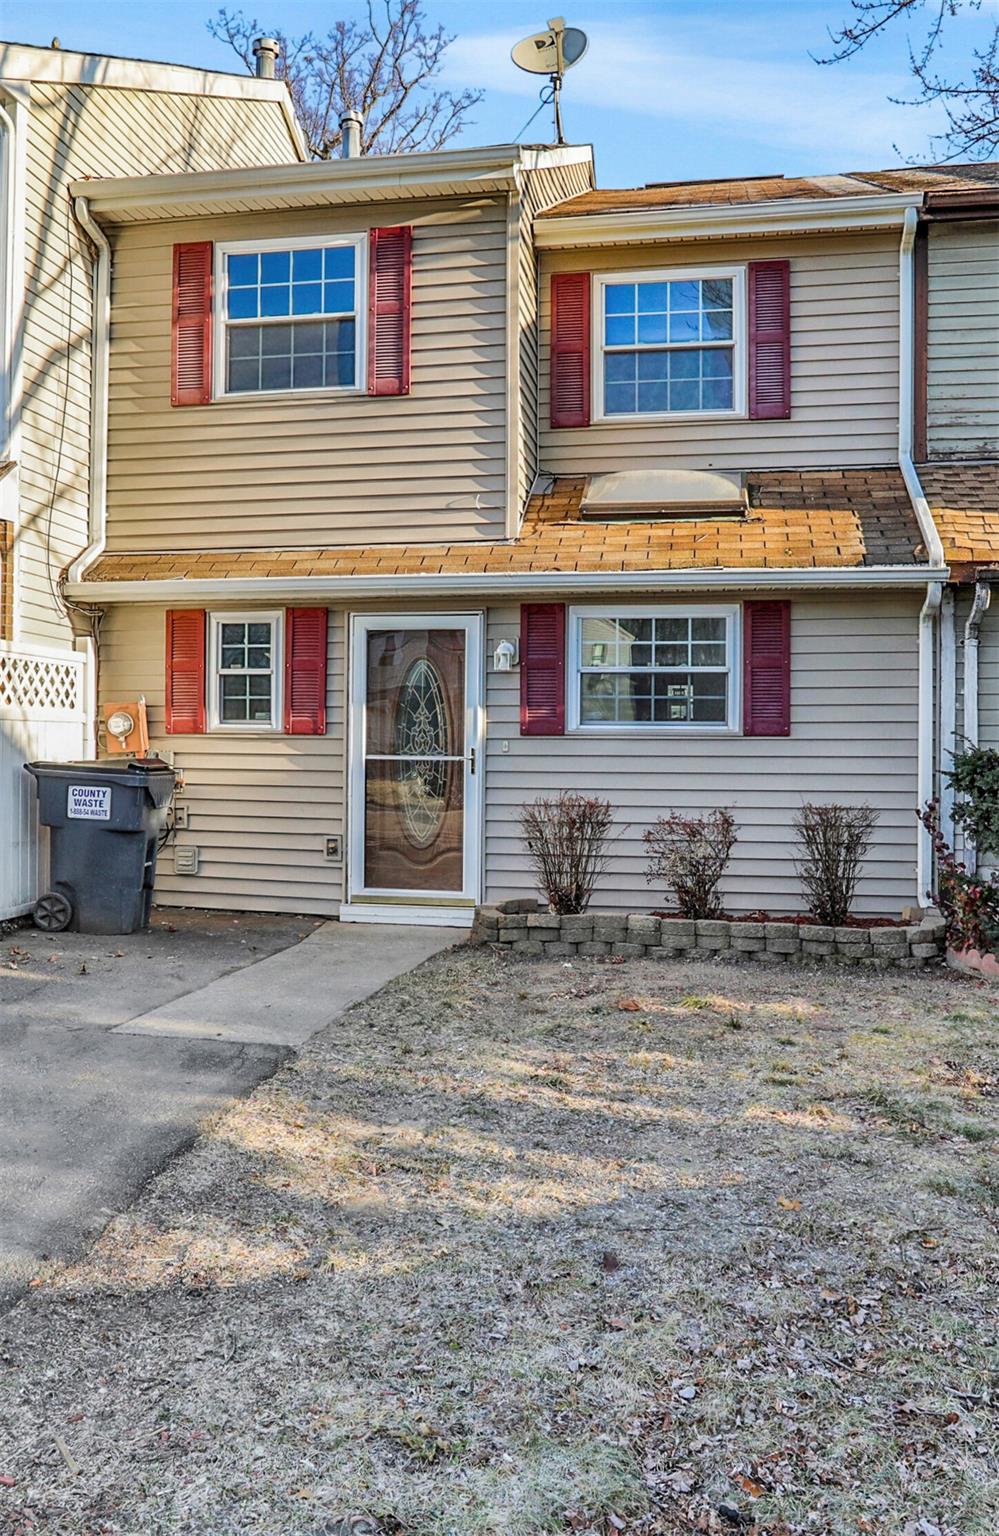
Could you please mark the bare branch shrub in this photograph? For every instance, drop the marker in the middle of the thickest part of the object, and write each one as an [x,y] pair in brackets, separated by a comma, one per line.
[834,842]
[688,854]
[565,837]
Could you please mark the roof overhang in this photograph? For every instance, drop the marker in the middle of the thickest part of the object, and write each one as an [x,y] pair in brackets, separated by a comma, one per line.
[64,66]
[955,206]
[323,183]
[783,216]
[464,585]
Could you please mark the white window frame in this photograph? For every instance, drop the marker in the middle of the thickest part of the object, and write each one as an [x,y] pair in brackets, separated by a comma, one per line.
[731,726]
[221,323]
[739,348]
[216,618]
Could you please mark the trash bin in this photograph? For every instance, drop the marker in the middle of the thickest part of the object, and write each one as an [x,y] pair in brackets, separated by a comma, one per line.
[105,820]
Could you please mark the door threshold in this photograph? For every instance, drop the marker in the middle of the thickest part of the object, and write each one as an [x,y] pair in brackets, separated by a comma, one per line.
[414,915]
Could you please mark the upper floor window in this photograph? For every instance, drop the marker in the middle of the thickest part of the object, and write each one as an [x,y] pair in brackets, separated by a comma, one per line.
[670,343]
[290,315]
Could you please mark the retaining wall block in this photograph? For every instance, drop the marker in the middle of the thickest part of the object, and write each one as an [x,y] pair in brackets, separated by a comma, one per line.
[712,933]
[890,942]
[609,928]
[817,948]
[643,929]
[783,939]
[519,904]
[513,935]
[555,948]
[677,932]
[577,927]
[593,947]
[528,947]
[628,951]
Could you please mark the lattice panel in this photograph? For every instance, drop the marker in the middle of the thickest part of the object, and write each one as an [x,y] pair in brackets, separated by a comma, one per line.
[40,685]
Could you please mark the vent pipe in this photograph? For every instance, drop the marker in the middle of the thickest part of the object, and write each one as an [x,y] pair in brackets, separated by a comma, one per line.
[351,124]
[265,51]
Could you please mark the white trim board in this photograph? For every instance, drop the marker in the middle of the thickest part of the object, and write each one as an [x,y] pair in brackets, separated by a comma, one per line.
[501,584]
[418,916]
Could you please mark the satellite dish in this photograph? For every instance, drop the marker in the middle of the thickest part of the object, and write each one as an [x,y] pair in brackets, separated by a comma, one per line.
[552,53]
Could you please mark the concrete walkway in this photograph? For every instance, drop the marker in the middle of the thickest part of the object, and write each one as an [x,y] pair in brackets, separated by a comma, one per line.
[289,996]
[113,1051]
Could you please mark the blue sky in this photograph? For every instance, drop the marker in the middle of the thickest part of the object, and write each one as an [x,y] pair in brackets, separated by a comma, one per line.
[670,89]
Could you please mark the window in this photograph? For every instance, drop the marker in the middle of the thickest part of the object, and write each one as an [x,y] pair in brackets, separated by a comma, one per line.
[670,344]
[245,671]
[665,668]
[290,315]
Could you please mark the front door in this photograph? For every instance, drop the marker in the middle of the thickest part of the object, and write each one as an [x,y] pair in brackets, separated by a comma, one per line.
[415,770]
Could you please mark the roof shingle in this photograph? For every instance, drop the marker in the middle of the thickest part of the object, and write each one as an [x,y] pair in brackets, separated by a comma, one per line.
[802,520]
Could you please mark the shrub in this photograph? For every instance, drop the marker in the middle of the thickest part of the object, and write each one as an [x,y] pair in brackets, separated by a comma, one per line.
[975,780]
[689,854]
[834,842]
[565,837]
[970,905]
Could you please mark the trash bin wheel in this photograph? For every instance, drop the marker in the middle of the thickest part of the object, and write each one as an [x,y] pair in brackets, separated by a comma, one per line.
[52,912]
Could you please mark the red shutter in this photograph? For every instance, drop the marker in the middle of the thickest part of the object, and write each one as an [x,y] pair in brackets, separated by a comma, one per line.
[305,672]
[185,671]
[570,355]
[389,310]
[542,669]
[766,669]
[769,340]
[191,347]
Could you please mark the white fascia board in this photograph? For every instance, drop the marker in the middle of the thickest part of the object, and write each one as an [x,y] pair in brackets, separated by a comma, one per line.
[339,181]
[785,216]
[501,584]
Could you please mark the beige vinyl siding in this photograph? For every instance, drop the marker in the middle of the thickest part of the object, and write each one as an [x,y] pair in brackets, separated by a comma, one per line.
[540,190]
[853,738]
[962,368]
[844,365]
[259,807]
[317,469]
[77,131]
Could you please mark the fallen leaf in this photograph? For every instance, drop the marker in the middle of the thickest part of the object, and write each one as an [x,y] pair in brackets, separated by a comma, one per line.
[629,1005]
[6,1481]
[788,1205]
[755,1490]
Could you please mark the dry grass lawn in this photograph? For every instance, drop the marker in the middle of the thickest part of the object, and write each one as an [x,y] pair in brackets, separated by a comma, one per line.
[518,1248]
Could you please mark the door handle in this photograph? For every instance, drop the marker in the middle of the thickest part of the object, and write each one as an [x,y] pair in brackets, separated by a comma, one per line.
[471,759]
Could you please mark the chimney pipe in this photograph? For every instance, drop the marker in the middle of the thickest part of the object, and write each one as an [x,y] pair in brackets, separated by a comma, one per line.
[351,124]
[265,51]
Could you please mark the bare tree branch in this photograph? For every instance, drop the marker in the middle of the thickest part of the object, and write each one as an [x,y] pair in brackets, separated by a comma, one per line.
[971,103]
[384,68]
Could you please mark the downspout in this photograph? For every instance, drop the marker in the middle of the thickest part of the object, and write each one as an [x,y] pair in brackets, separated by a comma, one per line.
[97,501]
[982,599]
[948,710]
[931,543]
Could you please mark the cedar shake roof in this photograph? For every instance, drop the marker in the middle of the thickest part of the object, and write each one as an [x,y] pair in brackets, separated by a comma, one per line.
[766,189]
[795,520]
[964,500]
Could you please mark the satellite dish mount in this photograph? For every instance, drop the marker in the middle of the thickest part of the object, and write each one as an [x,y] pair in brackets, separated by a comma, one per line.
[551,53]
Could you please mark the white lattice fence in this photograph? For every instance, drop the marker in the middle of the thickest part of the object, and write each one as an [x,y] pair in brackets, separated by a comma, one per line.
[42,716]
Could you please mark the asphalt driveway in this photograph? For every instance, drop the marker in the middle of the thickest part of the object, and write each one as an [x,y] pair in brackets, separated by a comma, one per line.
[113,1051]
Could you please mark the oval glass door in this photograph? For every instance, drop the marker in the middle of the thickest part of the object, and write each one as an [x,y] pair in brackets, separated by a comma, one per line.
[416,759]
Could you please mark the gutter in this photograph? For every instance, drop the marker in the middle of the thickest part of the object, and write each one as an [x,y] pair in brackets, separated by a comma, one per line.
[99,343]
[885,210]
[972,629]
[180,589]
[926,753]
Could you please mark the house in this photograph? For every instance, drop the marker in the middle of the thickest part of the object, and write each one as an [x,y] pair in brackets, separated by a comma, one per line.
[439,481]
[66,117]
[957,445]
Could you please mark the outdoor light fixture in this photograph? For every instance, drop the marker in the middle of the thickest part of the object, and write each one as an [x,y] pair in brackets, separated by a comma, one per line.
[505,656]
